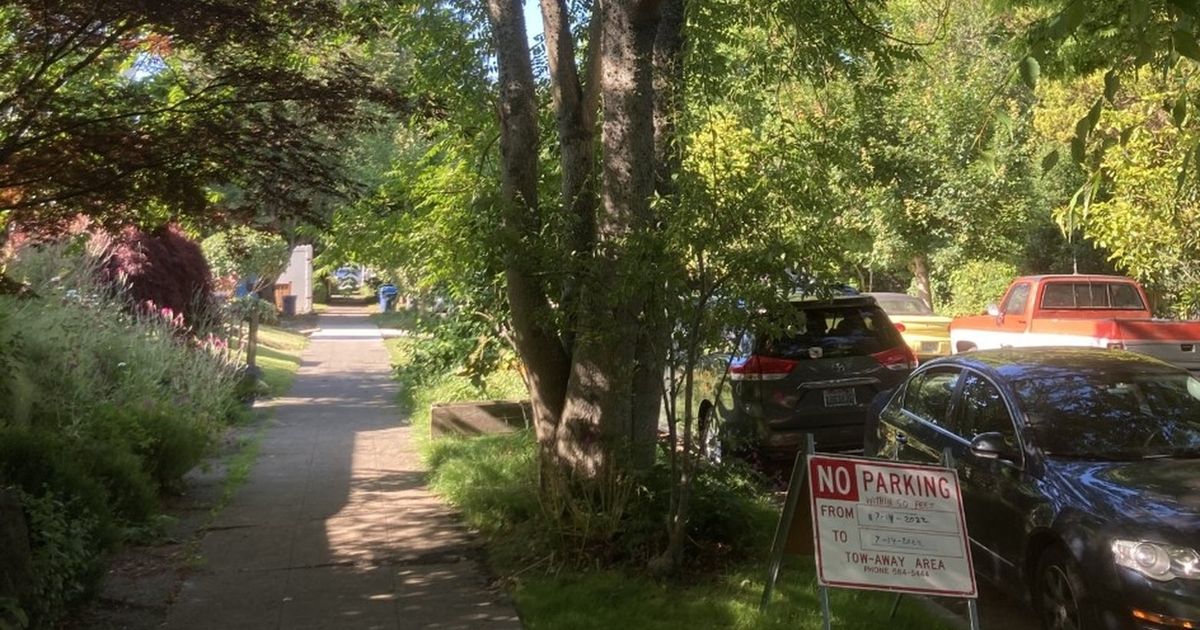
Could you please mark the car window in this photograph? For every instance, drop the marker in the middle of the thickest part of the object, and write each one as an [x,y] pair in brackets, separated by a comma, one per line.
[1017,298]
[1112,414]
[838,331]
[981,409]
[929,394]
[904,305]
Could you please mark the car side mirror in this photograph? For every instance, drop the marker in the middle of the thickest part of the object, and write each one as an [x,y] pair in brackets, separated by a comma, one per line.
[991,445]
[994,310]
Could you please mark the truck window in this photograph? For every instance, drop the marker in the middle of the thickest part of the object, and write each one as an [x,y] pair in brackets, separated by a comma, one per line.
[1124,296]
[1017,298]
[1091,295]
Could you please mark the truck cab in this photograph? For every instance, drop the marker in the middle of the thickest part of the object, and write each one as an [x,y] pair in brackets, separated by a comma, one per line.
[1078,310]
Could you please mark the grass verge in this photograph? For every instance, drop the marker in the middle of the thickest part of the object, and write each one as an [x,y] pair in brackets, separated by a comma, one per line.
[279,356]
[492,481]
[404,318]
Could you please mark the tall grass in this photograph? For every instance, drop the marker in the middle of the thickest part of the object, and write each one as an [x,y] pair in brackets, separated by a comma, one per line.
[102,409]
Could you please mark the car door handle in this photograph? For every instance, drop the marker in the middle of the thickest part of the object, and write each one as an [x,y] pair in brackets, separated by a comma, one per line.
[901,442]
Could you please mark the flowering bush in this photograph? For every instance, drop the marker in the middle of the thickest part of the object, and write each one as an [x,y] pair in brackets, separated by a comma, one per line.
[101,407]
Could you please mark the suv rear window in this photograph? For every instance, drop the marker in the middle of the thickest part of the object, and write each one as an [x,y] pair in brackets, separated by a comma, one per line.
[839,331]
[1091,295]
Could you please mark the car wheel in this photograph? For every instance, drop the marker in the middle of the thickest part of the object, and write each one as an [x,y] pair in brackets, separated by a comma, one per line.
[1061,597]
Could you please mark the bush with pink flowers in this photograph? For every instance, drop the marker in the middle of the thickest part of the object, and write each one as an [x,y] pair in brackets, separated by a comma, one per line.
[102,410]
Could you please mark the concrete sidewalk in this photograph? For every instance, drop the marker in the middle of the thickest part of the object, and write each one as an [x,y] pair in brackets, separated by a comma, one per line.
[334,528]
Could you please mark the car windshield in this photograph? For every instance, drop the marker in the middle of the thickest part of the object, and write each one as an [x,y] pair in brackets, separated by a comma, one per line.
[904,305]
[828,331]
[1113,415]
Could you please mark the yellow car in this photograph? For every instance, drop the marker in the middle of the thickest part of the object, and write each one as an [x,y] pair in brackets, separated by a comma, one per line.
[927,334]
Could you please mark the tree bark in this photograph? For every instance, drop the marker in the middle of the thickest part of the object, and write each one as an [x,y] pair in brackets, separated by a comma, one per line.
[655,329]
[920,267]
[598,418]
[546,363]
[668,80]
[575,114]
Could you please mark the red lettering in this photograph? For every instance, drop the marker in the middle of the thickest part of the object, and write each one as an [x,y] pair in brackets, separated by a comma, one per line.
[944,487]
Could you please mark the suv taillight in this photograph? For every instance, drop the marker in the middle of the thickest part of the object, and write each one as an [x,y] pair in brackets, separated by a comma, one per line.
[760,368]
[898,358]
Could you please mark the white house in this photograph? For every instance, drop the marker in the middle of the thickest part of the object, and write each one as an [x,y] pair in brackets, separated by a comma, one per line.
[300,275]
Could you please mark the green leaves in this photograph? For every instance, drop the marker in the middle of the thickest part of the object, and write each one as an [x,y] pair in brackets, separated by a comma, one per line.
[1083,128]
[1112,83]
[1065,23]
[1179,112]
[1185,44]
[1078,149]
[1030,70]
[1049,161]
[247,253]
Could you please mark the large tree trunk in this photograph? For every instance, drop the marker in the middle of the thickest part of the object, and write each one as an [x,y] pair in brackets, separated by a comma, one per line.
[599,419]
[920,267]
[668,80]
[546,363]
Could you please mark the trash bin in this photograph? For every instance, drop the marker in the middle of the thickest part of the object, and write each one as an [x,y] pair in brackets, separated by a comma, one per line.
[289,305]
[387,297]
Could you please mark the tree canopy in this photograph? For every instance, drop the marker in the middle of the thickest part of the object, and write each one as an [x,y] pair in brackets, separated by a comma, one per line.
[134,111]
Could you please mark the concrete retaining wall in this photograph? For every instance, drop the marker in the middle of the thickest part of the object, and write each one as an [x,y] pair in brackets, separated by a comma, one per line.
[479,417]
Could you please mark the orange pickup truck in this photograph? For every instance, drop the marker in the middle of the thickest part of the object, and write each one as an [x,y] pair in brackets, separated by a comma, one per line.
[1078,310]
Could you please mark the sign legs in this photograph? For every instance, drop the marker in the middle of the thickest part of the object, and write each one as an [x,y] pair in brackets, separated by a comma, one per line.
[823,593]
[799,471]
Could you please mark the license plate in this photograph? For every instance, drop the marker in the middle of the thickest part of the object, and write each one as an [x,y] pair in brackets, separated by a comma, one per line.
[929,346]
[840,397]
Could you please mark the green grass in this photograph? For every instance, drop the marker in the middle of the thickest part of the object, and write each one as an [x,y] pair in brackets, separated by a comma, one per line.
[404,318]
[492,481]
[612,599]
[279,357]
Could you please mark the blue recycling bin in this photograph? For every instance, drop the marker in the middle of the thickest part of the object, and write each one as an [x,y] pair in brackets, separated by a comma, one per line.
[387,297]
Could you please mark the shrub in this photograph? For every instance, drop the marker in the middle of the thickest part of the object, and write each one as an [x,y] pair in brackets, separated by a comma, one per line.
[111,407]
[162,268]
[975,284]
[65,556]
[40,462]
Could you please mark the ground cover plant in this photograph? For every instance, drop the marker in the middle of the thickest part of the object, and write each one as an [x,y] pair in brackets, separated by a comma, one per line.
[587,569]
[102,410]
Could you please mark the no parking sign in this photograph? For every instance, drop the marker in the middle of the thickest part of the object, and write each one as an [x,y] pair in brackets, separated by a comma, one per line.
[889,526]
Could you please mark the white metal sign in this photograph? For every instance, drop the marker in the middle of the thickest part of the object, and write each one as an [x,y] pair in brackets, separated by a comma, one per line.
[889,526]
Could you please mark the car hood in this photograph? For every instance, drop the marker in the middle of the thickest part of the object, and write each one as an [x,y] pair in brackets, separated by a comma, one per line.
[1159,494]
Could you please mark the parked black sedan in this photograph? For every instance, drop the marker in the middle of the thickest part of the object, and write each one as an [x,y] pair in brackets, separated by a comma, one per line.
[1080,472]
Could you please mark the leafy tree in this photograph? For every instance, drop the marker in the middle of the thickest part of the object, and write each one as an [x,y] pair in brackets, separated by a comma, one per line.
[1141,205]
[1121,106]
[132,111]
[942,166]
[650,194]
[254,257]
[588,314]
